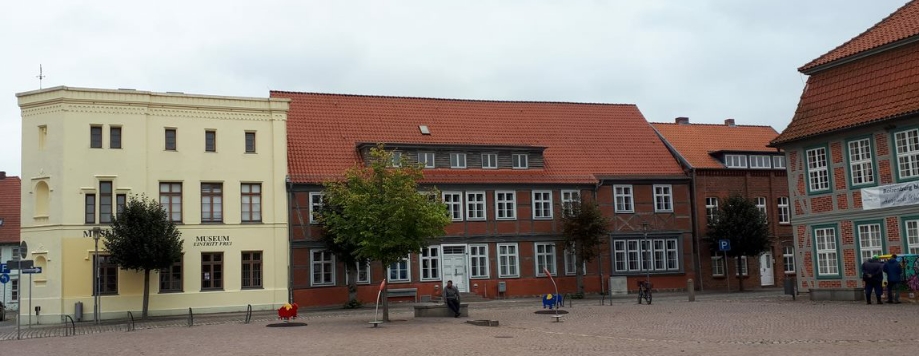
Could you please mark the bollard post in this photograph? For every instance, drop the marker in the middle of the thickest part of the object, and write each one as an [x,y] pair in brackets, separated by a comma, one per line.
[690,286]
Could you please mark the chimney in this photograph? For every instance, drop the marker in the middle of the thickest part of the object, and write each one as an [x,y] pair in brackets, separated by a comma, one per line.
[2,175]
[682,120]
[729,122]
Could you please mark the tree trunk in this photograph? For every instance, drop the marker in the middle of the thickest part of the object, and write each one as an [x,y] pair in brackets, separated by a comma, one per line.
[579,268]
[143,314]
[352,282]
[739,274]
[385,297]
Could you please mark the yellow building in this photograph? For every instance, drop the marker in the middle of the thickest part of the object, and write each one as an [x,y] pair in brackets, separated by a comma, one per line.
[217,164]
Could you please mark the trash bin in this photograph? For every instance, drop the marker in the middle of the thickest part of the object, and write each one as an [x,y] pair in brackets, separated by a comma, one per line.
[78,311]
[790,284]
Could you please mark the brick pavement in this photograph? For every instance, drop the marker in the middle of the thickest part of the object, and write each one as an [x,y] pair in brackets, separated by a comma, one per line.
[755,323]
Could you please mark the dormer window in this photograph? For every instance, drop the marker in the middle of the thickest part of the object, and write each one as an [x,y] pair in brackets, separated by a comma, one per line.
[457,160]
[735,161]
[490,160]
[426,158]
[778,162]
[519,161]
[396,159]
[760,162]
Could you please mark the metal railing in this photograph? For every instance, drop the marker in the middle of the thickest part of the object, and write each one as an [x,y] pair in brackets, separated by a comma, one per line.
[248,313]
[131,322]
[73,326]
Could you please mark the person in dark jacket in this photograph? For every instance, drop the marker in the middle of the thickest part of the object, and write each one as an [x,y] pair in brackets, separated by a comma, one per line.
[893,270]
[873,275]
[452,297]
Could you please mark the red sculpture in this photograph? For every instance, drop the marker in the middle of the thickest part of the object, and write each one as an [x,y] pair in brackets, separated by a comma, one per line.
[287,312]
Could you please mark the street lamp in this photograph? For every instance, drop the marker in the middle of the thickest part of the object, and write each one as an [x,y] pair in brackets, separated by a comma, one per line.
[645,228]
[97,232]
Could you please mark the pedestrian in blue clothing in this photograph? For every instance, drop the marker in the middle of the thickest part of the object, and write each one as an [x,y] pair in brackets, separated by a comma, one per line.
[873,276]
[893,270]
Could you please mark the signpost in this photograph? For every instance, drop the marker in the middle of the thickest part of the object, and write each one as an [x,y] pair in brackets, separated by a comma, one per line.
[724,245]
[23,249]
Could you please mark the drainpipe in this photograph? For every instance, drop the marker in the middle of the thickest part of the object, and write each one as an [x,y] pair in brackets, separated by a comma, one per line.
[290,252]
[599,254]
[696,242]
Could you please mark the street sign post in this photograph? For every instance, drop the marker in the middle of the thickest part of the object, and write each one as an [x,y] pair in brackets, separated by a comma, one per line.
[724,245]
[4,278]
[30,270]
[4,268]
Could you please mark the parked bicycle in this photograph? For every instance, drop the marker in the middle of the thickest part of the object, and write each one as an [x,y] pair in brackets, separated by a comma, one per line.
[644,291]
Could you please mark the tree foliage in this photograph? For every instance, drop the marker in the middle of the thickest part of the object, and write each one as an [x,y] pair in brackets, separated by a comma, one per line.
[143,238]
[739,221]
[345,250]
[585,229]
[380,213]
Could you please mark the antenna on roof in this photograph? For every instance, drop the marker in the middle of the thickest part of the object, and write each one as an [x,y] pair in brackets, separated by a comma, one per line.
[40,76]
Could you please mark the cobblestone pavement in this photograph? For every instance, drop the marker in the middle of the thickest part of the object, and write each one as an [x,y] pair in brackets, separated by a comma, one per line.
[750,324]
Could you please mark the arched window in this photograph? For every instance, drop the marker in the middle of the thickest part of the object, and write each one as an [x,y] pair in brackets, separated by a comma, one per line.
[42,198]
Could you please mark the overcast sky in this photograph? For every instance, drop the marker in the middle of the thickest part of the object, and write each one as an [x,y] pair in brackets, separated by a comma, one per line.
[705,59]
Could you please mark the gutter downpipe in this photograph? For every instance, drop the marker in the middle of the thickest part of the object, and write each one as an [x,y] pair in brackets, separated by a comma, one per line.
[697,244]
[600,255]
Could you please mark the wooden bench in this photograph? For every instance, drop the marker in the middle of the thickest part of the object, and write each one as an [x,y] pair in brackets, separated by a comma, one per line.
[439,310]
[403,292]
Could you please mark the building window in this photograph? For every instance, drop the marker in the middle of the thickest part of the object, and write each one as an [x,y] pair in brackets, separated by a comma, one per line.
[784,212]
[89,208]
[108,275]
[426,158]
[14,290]
[322,268]
[907,153]
[570,198]
[761,206]
[663,198]
[400,271]
[105,202]
[211,202]
[430,263]
[711,209]
[735,161]
[315,206]
[545,258]
[788,259]
[42,137]
[912,235]
[210,141]
[623,196]
[717,266]
[778,162]
[251,200]
[760,162]
[861,164]
[542,204]
[818,178]
[519,161]
[457,160]
[827,255]
[475,205]
[250,142]
[252,269]
[171,200]
[571,261]
[505,205]
[508,261]
[490,160]
[396,159]
[869,241]
[454,202]
[363,274]
[170,139]
[171,278]
[120,201]
[639,255]
[743,266]
[478,261]
[95,136]
[114,137]
[211,270]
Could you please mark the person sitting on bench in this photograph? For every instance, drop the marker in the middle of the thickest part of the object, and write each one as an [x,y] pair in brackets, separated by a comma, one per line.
[452,298]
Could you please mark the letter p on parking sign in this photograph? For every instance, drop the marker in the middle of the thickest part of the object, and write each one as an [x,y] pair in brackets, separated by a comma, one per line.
[724,245]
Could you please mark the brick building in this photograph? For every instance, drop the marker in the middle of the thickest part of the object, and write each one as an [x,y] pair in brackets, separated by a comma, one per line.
[853,156]
[734,159]
[9,236]
[505,169]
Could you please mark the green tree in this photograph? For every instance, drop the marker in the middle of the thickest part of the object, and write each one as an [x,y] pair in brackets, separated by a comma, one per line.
[382,212]
[345,250]
[585,229]
[143,238]
[739,221]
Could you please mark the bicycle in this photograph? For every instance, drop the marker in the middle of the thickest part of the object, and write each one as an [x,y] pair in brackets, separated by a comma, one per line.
[644,291]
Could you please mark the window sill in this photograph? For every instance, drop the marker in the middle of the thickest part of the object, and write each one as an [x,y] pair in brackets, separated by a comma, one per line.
[506,219]
[171,291]
[785,223]
[480,277]
[251,222]
[212,290]
[399,281]
[508,277]
[251,153]
[253,288]
[543,218]
[663,211]
[212,223]
[322,285]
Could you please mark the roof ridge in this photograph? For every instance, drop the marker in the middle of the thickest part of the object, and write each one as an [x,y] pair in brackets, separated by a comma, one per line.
[452,99]
[707,124]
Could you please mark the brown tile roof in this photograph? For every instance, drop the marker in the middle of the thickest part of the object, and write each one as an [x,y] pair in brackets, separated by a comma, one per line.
[872,89]
[581,140]
[9,209]
[695,142]
[899,25]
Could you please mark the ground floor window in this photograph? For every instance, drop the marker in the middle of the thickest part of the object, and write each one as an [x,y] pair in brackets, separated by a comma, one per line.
[171,278]
[508,261]
[108,276]
[545,258]
[717,266]
[430,263]
[252,269]
[14,289]
[743,266]
[912,235]
[788,257]
[827,254]
[322,268]
[640,255]
[400,271]
[211,270]
[478,261]
[363,274]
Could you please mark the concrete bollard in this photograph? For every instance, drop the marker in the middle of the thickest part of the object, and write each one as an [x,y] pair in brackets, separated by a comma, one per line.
[690,286]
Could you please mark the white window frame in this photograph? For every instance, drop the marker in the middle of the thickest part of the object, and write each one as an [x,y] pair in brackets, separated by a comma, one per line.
[489,161]
[520,161]
[637,254]
[433,268]
[15,292]
[761,206]
[542,204]
[825,245]
[570,262]
[760,162]
[861,162]
[569,199]
[663,200]
[548,258]
[622,195]
[870,241]
[744,268]
[457,160]
[316,199]
[501,200]
[717,266]
[788,259]
[475,206]
[912,235]
[454,202]
[778,162]
[818,174]
[327,265]
[396,159]
[711,209]
[906,146]
[784,211]
[508,259]
[407,260]
[366,271]
[428,159]
[735,161]
[478,262]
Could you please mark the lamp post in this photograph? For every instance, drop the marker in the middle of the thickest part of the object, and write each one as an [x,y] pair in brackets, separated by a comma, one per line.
[97,232]
[645,228]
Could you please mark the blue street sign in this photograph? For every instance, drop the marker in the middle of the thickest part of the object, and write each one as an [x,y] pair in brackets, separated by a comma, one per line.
[30,270]
[4,268]
[724,245]
[4,278]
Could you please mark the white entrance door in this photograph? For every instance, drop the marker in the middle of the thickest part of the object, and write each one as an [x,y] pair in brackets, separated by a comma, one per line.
[766,275]
[454,263]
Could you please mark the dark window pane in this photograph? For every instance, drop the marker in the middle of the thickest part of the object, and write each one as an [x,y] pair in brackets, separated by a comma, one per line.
[210,141]
[115,137]
[95,137]
[171,139]
[250,142]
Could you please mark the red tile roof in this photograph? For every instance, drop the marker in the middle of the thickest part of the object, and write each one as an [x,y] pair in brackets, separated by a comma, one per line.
[695,142]
[872,89]
[582,141]
[9,209]
[901,24]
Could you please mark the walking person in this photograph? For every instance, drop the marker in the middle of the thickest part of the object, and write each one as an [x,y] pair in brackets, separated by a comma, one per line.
[872,274]
[893,270]
[452,297]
